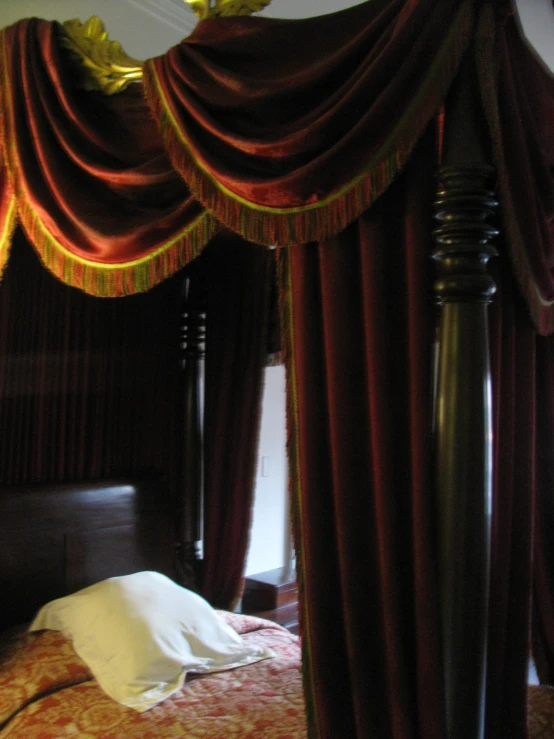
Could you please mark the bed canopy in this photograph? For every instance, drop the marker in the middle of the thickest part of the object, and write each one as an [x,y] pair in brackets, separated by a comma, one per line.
[323,138]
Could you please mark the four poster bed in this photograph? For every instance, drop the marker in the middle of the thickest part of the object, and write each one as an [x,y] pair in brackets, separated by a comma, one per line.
[420,441]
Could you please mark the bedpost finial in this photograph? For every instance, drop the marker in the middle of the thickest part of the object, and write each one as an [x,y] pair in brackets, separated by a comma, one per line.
[104,64]
[217,8]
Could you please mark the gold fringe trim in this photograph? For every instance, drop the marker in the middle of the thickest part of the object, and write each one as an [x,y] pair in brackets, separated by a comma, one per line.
[10,223]
[541,311]
[286,313]
[319,221]
[94,278]
[117,280]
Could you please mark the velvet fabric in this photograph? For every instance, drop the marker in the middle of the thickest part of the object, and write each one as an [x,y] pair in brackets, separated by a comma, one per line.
[87,386]
[281,147]
[95,191]
[286,130]
[517,431]
[93,184]
[7,215]
[360,465]
[359,383]
[543,565]
[238,288]
[518,99]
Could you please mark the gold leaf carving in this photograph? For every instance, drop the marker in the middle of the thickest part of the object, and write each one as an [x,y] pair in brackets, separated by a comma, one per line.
[214,8]
[104,64]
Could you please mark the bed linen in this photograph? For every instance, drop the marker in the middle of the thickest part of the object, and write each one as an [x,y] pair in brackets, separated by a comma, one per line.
[47,692]
[540,705]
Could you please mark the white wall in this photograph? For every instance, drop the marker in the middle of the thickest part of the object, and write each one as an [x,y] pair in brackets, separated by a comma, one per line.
[270,536]
[305,8]
[131,22]
[537,22]
[147,28]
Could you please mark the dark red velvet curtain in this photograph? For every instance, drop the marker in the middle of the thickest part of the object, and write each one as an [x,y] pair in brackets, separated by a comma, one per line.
[360,459]
[87,386]
[282,147]
[292,147]
[288,130]
[543,565]
[516,432]
[239,289]
[95,191]
[518,100]
[359,379]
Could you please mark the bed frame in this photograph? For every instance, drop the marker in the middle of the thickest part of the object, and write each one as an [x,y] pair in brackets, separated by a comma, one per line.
[463,424]
[58,538]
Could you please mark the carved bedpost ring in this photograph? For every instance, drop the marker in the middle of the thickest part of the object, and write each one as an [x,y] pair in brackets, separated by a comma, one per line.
[193,328]
[464,438]
[462,206]
[189,479]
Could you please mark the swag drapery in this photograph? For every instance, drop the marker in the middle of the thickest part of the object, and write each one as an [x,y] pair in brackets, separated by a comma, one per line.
[88,388]
[329,149]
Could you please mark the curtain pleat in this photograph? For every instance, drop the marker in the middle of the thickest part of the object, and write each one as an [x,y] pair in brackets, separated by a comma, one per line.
[239,289]
[87,386]
[543,564]
[517,91]
[87,173]
[359,423]
[515,433]
[359,376]
[289,147]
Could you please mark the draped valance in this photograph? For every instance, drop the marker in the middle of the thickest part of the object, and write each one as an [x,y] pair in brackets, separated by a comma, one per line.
[287,131]
[283,131]
[86,175]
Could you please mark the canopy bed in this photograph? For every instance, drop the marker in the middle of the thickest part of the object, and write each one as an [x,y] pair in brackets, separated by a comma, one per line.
[419,436]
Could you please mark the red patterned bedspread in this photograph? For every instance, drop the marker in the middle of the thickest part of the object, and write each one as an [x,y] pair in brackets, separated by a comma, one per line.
[540,712]
[46,692]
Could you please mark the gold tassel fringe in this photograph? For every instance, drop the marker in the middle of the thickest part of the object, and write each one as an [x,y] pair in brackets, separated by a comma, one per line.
[7,234]
[319,221]
[117,280]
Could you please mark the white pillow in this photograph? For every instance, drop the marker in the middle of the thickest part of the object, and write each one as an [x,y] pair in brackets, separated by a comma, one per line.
[140,634]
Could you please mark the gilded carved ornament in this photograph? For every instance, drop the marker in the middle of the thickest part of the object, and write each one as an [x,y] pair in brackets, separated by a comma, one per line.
[105,65]
[215,8]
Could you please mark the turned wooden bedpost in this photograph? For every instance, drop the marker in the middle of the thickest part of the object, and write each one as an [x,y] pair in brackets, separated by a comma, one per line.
[463,413]
[189,484]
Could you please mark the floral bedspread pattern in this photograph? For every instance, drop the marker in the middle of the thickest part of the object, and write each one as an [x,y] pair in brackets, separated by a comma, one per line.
[540,712]
[46,692]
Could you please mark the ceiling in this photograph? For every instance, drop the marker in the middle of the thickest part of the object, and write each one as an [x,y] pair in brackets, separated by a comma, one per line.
[148,28]
[179,15]
[536,16]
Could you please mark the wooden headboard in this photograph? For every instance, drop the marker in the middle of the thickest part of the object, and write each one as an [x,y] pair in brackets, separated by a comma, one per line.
[56,539]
